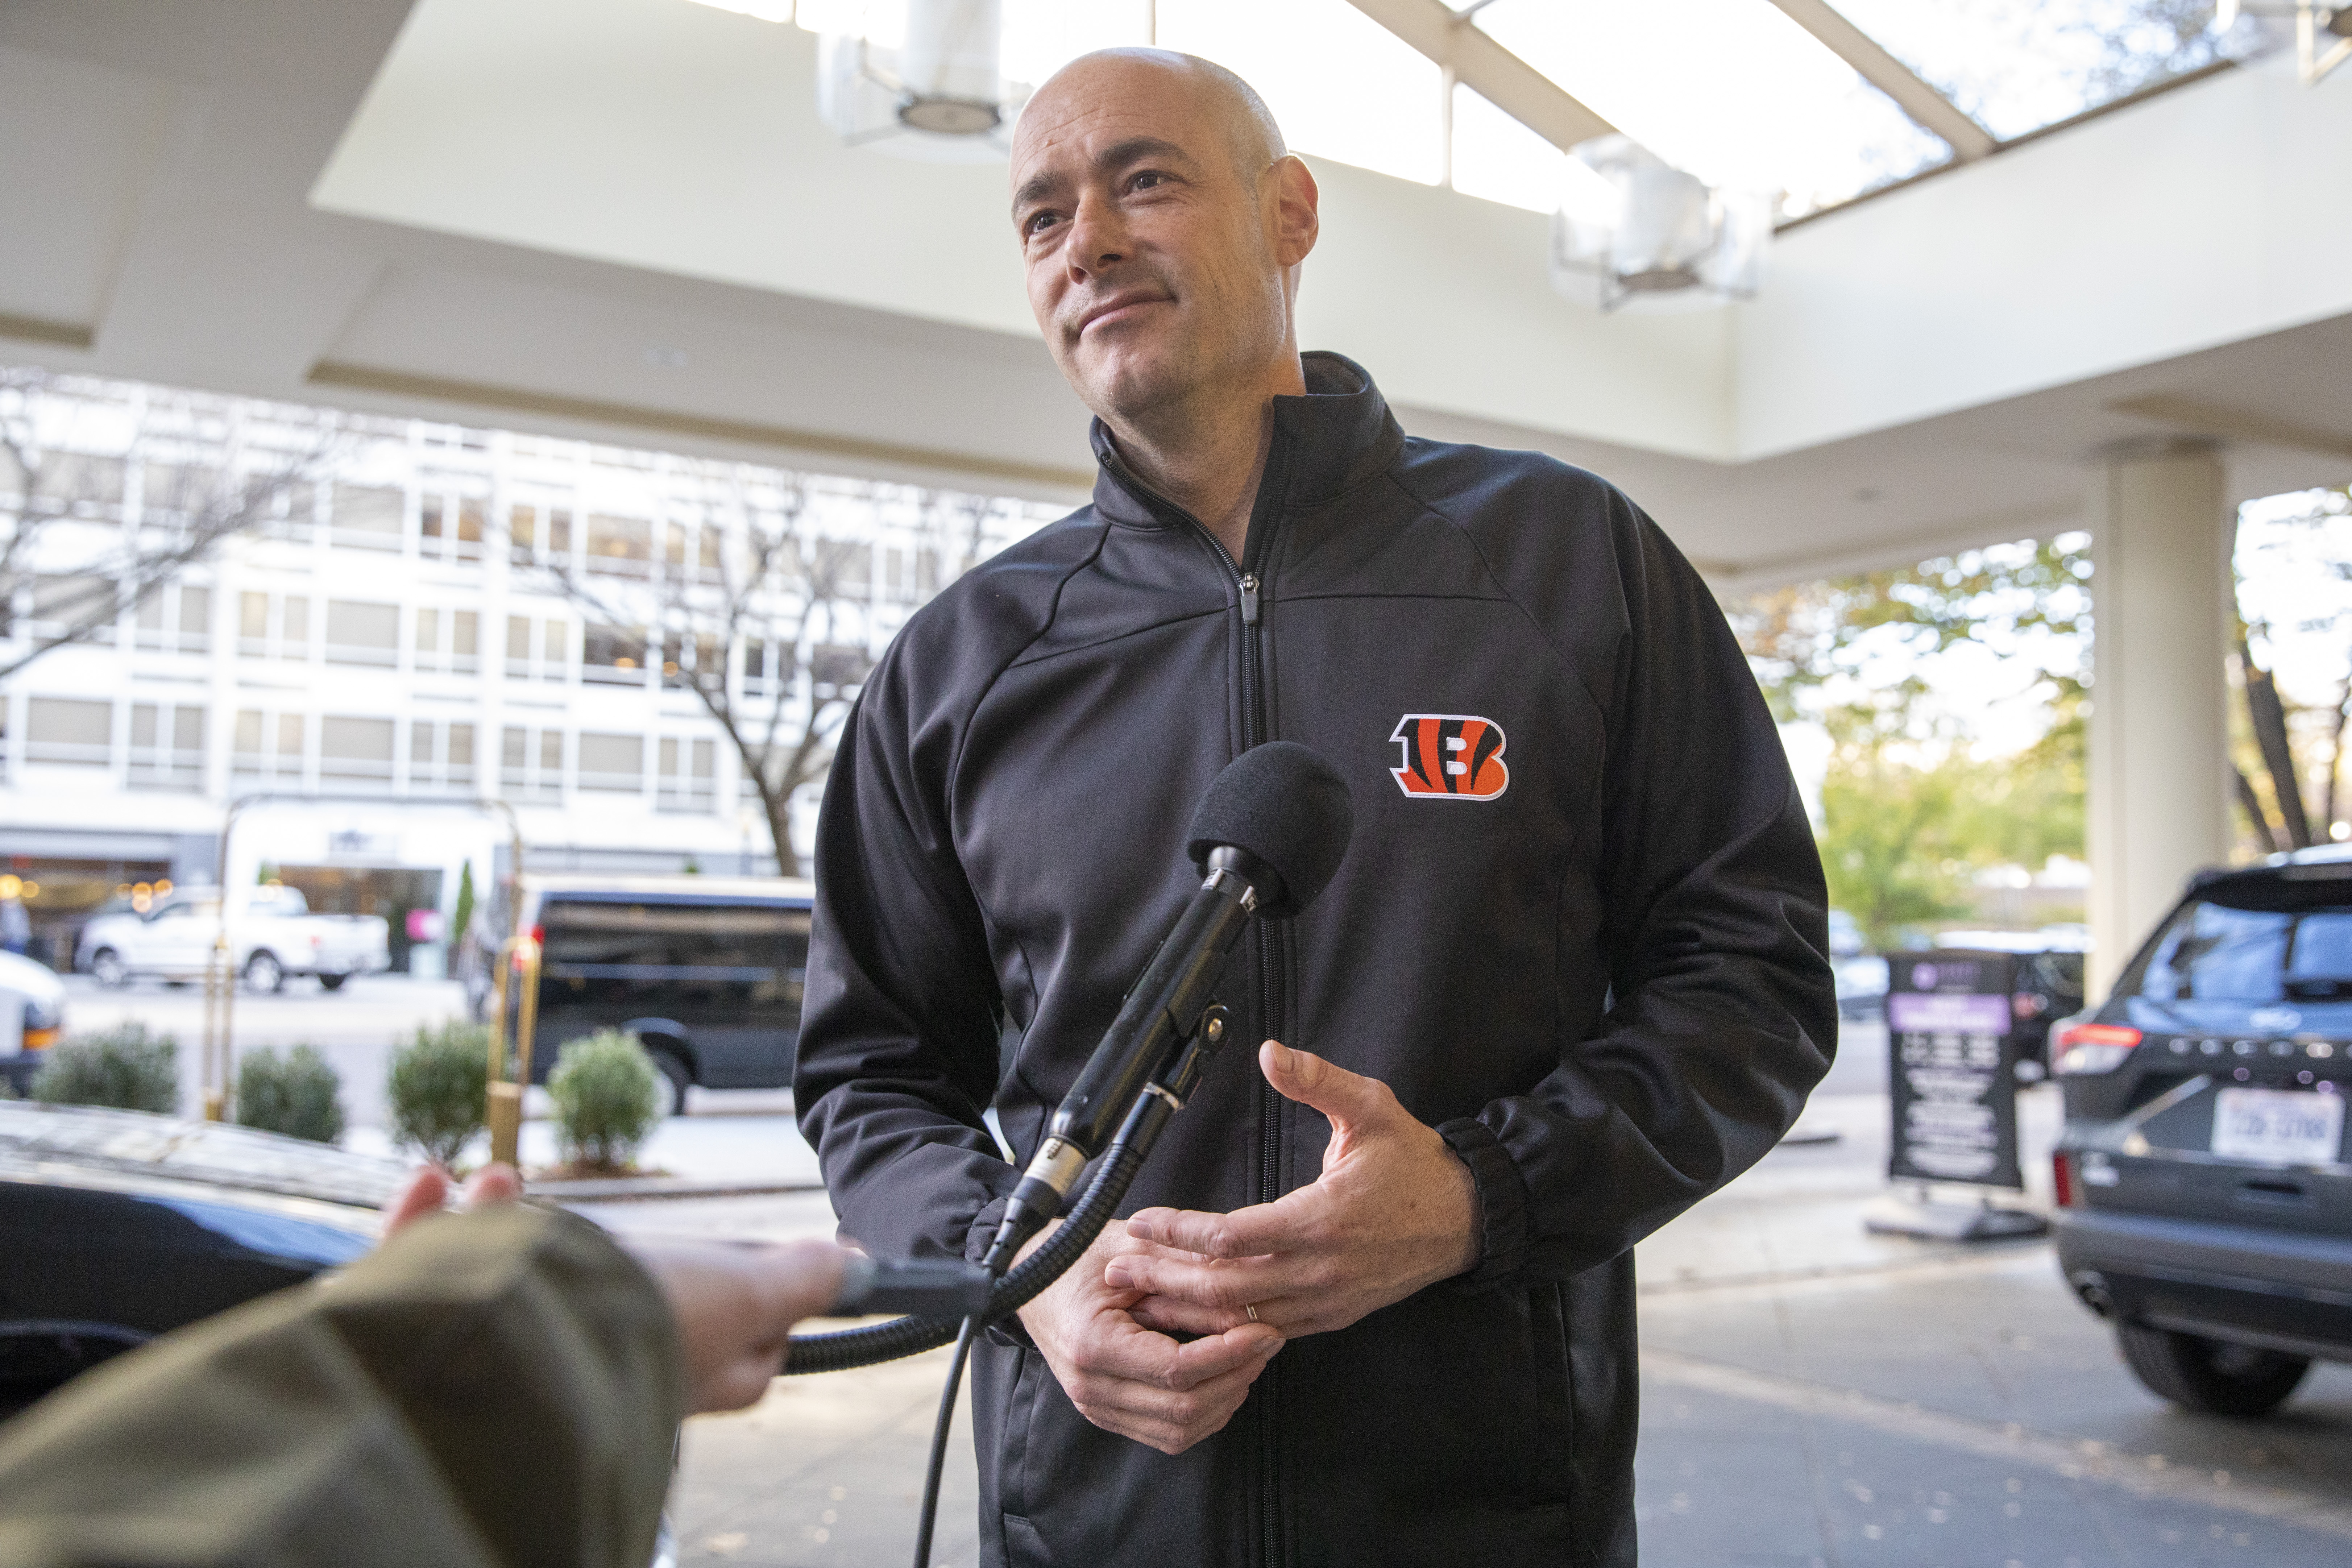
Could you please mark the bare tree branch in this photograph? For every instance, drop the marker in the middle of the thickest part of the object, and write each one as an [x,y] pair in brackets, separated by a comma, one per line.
[762,594]
[52,499]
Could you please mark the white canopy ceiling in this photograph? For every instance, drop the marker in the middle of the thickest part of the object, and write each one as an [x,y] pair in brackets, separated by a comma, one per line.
[621,217]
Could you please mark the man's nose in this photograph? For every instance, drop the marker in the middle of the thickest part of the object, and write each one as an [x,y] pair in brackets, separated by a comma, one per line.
[1098,239]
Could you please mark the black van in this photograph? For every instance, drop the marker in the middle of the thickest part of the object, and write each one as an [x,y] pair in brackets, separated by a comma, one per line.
[2204,1190]
[706,970]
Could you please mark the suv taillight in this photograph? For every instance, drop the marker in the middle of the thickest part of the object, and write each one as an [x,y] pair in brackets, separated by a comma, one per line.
[2062,1178]
[2094,1048]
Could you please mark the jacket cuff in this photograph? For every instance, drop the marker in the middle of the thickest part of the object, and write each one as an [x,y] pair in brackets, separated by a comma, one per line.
[1007,1330]
[1502,1199]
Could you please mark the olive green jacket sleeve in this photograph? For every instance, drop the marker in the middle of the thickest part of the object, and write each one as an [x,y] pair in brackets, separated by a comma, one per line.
[487,1390]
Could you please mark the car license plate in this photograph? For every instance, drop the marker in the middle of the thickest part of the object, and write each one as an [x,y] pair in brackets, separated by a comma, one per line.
[2278,1127]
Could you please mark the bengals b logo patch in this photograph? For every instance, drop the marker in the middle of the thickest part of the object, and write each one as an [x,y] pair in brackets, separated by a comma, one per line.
[1450,756]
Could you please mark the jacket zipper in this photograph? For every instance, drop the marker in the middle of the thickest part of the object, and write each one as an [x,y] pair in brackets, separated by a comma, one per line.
[1269,1108]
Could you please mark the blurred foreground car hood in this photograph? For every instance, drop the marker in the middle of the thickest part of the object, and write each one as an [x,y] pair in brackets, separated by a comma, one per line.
[54,1142]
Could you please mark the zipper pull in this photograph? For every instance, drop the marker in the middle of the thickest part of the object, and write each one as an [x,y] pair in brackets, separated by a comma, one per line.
[1249,600]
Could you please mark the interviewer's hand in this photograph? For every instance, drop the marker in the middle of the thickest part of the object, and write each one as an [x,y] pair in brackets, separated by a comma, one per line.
[1393,1211]
[734,1304]
[1127,1379]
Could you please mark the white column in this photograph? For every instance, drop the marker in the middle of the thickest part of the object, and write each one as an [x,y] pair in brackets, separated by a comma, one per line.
[2158,733]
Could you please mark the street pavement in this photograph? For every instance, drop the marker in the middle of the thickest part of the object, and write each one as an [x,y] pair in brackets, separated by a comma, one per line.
[1814,1395]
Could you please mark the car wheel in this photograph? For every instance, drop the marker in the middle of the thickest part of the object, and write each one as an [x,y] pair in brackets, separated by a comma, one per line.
[669,1085]
[333,982]
[263,973]
[106,966]
[2211,1375]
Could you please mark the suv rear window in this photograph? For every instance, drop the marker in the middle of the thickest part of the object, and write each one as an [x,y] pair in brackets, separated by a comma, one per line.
[2216,953]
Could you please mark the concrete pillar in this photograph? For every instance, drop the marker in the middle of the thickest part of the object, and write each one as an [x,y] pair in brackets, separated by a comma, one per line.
[2158,733]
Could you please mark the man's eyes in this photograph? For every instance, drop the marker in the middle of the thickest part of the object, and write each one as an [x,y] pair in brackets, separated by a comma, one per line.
[1038,222]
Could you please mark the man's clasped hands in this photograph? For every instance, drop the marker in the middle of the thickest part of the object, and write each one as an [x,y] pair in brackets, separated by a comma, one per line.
[1393,1210]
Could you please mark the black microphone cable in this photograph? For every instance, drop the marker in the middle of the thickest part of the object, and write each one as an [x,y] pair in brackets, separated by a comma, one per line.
[939,1429]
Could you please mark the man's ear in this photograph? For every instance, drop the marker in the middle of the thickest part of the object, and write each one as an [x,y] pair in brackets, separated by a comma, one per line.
[1295,222]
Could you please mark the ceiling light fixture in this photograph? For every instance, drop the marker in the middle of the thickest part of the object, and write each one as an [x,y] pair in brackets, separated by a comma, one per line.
[2314,24]
[1633,232]
[935,94]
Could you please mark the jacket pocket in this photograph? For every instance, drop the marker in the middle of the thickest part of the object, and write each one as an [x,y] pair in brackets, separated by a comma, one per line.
[1024,1547]
[1013,1491]
[1554,1435]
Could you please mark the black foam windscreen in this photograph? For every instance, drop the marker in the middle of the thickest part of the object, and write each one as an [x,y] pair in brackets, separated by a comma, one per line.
[1288,806]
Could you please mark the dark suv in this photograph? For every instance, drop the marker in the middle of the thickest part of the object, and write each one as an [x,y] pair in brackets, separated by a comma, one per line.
[2205,1200]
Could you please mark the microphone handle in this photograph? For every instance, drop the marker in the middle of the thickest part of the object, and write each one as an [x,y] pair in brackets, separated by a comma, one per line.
[1163,1008]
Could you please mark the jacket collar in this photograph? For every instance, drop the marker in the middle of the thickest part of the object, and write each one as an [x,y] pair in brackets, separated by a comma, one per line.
[1340,434]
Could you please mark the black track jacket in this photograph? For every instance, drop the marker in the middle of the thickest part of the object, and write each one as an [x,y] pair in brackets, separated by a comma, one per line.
[1580,931]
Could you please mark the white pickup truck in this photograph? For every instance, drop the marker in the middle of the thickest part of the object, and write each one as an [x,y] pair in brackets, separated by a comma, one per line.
[271,930]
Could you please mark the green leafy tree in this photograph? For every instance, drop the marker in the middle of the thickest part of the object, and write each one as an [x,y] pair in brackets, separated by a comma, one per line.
[438,1089]
[462,920]
[606,1100]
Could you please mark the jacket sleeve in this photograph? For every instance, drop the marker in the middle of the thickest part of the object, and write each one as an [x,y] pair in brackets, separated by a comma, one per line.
[486,1391]
[897,1053]
[1713,927]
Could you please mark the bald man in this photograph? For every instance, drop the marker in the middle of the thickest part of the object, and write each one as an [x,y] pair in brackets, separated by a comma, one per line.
[1375,1301]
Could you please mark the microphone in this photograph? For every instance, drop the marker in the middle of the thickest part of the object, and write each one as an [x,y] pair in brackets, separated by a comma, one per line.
[1268,837]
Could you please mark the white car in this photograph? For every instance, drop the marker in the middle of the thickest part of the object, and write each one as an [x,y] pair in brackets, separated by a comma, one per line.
[272,932]
[32,1018]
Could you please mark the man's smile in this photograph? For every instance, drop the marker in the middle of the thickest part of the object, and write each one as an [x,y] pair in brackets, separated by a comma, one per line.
[1121,307]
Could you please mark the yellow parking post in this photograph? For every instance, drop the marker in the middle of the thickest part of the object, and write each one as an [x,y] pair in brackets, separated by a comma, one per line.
[517,967]
[220,993]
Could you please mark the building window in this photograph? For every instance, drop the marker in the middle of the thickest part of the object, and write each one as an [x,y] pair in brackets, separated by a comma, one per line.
[299,506]
[835,670]
[447,641]
[266,750]
[688,776]
[451,529]
[82,484]
[539,535]
[175,487]
[844,568]
[612,656]
[765,663]
[355,754]
[624,545]
[176,620]
[529,773]
[367,517]
[687,656]
[552,644]
[69,730]
[359,632]
[269,625]
[613,762]
[440,758]
[62,602]
[167,746]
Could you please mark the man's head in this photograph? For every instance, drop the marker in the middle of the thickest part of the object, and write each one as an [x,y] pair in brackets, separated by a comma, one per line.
[1163,222]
